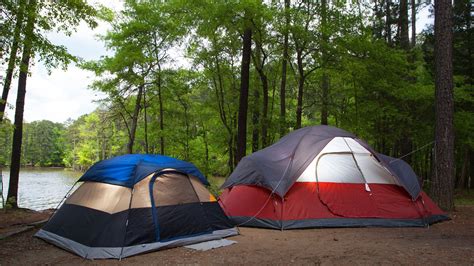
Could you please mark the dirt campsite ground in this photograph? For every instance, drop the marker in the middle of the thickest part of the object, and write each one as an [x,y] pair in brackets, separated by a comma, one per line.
[450,242]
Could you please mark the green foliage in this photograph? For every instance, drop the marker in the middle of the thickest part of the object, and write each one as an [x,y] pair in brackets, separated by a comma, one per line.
[6,129]
[43,143]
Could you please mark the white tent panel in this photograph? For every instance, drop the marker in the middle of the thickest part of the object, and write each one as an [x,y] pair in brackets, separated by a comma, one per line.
[373,171]
[336,164]
[340,144]
[338,168]
[355,146]
[309,173]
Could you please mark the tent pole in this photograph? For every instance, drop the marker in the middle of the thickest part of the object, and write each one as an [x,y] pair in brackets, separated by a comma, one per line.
[367,188]
[126,222]
[61,202]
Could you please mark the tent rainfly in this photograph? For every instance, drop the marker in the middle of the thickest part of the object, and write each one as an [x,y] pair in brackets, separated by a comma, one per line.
[323,176]
[137,203]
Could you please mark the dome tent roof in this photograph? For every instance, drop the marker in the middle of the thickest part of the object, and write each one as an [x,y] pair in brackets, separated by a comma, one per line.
[129,169]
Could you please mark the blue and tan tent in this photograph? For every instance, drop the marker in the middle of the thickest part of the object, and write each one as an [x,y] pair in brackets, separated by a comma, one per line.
[137,203]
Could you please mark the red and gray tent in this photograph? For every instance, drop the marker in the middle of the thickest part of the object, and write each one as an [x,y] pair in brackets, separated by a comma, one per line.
[323,176]
[137,203]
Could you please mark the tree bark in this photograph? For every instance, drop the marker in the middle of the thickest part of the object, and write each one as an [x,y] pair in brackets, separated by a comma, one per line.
[244,94]
[264,122]
[413,23]
[403,25]
[301,78]
[160,103]
[283,127]
[259,63]
[388,22]
[324,57]
[461,182]
[133,125]
[378,24]
[325,99]
[12,197]
[255,120]
[145,120]
[186,127]
[12,59]
[443,180]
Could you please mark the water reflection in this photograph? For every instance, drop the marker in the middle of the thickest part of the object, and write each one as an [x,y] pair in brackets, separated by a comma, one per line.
[42,188]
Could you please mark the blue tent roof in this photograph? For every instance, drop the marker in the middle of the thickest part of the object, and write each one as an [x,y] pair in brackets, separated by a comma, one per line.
[127,170]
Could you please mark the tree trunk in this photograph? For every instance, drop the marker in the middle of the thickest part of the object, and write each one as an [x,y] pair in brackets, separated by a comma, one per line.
[283,127]
[461,183]
[301,78]
[255,120]
[133,125]
[12,59]
[12,197]
[160,103]
[145,120]
[186,124]
[388,22]
[324,57]
[264,122]
[403,25]
[378,24]
[259,65]
[413,23]
[325,100]
[244,94]
[443,180]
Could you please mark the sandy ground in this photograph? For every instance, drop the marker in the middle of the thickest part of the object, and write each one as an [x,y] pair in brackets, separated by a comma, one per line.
[450,242]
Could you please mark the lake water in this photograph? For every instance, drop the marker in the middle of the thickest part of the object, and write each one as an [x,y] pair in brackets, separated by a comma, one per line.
[42,188]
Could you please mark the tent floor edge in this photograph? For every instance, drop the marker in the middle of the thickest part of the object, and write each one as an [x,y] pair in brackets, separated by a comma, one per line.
[338,222]
[114,252]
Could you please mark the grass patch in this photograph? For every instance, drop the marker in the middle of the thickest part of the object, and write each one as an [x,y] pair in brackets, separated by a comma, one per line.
[464,197]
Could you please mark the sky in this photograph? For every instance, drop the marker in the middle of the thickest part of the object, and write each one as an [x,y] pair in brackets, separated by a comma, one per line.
[64,94]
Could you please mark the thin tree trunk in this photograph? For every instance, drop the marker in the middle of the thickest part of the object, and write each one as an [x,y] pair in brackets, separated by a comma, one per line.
[162,127]
[388,22]
[413,23]
[12,59]
[12,197]
[378,24]
[301,78]
[325,100]
[244,94]
[325,78]
[255,120]
[133,125]
[145,120]
[283,127]
[186,124]
[461,182]
[443,180]
[264,122]
[259,63]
